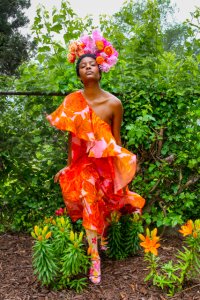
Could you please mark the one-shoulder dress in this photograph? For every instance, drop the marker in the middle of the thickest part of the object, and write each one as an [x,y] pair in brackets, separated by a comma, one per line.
[92,186]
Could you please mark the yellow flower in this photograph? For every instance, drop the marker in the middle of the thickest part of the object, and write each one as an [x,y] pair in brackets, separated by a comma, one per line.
[44,230]
[149,243]
[71,237]
[48,235]
[80,236]
[115,216]
[187,228]
[75,245]
[62,220]
[37,230]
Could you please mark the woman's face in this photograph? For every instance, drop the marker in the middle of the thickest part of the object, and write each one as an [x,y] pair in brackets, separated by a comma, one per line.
[89,70]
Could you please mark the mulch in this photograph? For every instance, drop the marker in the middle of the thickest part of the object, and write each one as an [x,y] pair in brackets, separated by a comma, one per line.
[121,280]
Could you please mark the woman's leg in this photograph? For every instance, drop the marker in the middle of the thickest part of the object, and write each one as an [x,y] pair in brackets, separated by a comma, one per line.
[95,269]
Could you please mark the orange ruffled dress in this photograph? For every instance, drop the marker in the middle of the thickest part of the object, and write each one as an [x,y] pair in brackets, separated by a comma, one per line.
[92,184]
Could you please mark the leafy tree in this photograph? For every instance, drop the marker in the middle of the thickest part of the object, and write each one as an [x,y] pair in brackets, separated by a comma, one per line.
[31,151]
[13,45]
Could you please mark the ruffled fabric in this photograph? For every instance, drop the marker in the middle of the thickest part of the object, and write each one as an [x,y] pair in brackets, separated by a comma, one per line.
[92,185]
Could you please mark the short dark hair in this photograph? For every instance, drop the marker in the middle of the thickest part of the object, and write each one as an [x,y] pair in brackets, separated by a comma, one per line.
[79,60]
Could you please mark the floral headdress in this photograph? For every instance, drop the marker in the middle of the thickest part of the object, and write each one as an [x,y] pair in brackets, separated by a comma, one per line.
[106,55]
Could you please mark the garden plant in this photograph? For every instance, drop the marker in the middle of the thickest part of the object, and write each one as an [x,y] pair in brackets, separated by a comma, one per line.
[172,275]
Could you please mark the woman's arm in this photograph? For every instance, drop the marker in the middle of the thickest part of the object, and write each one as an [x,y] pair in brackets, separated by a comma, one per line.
[116,126]
[117,120]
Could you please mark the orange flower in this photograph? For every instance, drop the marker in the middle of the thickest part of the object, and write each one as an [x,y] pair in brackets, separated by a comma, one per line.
[195,234]
[40,238]
[48,235]
[187,228]
[100,45]
[99,60]
[71,57]
[149,243]
[109,50]
[73,47]
[80,52]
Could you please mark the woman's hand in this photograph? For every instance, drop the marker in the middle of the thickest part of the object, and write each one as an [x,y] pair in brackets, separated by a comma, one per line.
[56,177]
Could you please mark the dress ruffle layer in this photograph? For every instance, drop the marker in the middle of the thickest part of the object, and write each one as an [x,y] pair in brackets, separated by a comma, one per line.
[92,184]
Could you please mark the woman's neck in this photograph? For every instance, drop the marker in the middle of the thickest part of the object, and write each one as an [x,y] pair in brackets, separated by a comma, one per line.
[92,90]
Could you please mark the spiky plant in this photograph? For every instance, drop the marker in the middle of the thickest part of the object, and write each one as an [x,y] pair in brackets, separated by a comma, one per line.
[131,227]
[115,237]
[44,260]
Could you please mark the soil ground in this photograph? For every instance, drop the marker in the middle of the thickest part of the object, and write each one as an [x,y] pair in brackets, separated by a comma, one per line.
[121,280]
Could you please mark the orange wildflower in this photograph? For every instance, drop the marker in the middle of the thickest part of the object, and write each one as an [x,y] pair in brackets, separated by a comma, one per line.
[187,228]
[40,238]
[48,235]
[109,50]
[149,243]
[195,234]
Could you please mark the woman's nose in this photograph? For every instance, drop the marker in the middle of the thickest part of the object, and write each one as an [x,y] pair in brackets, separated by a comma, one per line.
[88,66]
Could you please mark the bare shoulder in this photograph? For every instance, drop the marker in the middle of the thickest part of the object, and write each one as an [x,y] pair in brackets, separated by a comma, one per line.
[114,101]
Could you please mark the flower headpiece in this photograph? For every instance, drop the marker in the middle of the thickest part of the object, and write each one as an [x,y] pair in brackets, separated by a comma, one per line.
[106,55]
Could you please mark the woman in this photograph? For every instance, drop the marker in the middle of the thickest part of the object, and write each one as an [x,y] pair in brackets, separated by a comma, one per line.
[94,183]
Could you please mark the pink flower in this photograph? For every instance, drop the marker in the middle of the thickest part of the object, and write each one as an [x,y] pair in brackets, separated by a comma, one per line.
[96,35]
[89,43]
[105,67]
[104,55]
[112,60]
[59,212]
